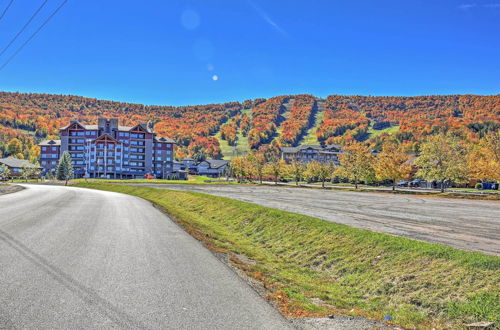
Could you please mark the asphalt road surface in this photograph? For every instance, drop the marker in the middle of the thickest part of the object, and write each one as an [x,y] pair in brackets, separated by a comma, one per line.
[74,258]
[461,223]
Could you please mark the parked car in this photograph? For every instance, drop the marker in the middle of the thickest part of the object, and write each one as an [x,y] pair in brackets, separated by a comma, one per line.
[416,183]
[402,183]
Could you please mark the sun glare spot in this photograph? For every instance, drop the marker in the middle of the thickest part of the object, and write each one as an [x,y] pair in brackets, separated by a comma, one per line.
[190,19]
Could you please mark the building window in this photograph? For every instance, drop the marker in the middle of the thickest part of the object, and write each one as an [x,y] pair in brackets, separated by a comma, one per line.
[44,148]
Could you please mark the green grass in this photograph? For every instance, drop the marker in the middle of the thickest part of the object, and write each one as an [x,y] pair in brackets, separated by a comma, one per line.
[192,179]
[25,181]
[353,271]
[226,149]
[241,148]
[310,137]
[389,130]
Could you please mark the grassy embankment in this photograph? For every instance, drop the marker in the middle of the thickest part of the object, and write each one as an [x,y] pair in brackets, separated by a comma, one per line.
[313,267]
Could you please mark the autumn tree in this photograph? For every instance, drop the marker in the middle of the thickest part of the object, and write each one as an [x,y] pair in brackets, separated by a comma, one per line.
[392,164]
[356,163]
[257,161]
[275,169]
[319,171]
[296,170]
[14,147]
[484,158]
[239,168]
[442,158]
[34,154]
[4,172]
[29,171]
[25,173]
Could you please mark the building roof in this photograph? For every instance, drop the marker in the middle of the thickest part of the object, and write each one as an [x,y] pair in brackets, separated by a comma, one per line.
[96,127]
[164,139]
[50,143]
[320,148]
[16,163]
[216,163]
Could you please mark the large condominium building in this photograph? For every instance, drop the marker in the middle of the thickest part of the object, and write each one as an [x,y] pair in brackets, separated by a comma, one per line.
[109,150]
[307,153]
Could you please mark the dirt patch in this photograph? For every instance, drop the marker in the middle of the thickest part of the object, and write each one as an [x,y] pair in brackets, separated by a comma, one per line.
[339,323]
[8,189]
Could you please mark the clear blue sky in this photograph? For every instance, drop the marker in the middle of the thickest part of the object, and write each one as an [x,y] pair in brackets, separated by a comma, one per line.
[168,51]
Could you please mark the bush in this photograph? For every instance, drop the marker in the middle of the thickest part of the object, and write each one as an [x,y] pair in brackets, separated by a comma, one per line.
[479,185]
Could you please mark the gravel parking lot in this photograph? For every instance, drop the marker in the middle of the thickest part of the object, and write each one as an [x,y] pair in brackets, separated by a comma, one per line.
[461,223]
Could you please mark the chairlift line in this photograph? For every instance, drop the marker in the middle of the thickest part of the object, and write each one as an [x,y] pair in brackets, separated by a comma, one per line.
[33,35]
[24,27]
[6,9]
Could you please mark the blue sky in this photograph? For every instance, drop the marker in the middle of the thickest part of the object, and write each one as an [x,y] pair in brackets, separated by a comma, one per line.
[171,51]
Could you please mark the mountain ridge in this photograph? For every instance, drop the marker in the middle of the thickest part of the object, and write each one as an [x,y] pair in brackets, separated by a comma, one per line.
[267,123]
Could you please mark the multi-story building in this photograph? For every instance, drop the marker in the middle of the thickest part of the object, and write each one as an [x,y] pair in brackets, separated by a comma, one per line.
[307,153]
[109,150]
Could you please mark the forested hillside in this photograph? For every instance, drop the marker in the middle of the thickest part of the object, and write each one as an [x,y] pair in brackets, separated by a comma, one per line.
[228,129]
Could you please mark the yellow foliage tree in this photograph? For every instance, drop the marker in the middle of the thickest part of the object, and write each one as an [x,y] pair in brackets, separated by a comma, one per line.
[392,164]
[442,158]
[276,169]
[240,168]
[319,171]
[256,161]
[356,163]
[483,161]
[296,170]
[14,147]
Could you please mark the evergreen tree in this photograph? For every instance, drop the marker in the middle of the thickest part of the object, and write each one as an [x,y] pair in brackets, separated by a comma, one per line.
[65,168]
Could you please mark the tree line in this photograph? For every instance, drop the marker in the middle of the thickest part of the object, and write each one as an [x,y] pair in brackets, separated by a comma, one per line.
[442,158]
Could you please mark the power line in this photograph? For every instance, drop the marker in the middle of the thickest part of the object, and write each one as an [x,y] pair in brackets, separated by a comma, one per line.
[24,27]
[6,9]
[33,35]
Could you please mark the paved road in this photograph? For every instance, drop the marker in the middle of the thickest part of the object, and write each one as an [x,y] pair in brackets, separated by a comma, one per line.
[73,258]
[465,224]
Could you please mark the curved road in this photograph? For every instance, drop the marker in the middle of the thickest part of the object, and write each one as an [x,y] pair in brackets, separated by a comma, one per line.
[76,258]
[461,223]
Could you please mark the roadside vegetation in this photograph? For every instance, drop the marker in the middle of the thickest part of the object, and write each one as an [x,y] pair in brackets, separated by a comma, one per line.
[311,267]
[443,160]
[192,179]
